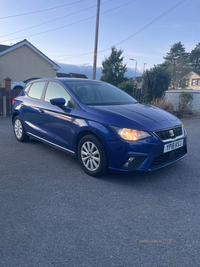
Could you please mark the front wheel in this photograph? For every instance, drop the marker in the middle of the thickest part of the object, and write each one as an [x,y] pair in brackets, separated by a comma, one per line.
[92,156]
[19,130]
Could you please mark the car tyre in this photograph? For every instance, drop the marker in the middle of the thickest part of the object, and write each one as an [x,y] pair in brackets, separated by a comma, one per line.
[19,131]
[92,156]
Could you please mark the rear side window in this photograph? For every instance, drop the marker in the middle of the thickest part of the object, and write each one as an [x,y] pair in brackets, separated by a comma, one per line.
[36,90]
[27,88]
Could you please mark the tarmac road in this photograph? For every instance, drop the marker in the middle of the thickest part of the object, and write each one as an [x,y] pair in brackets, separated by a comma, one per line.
[53,214]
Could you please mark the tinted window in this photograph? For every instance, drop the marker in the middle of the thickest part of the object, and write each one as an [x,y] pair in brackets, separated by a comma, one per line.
[99,93]
[55,90]
[36,90]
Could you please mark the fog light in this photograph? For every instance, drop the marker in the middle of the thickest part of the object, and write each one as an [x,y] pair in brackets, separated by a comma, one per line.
[129,161]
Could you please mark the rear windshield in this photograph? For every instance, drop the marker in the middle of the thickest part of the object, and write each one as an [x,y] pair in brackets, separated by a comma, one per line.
[99,93]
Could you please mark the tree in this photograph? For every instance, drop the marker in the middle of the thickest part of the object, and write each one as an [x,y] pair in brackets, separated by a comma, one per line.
[129,87]
[113,69]
[176,62]
[195,57]
[177,50]
[180,73]
[155,82]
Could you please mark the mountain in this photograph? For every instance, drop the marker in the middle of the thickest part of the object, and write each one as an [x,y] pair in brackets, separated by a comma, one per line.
[88,70]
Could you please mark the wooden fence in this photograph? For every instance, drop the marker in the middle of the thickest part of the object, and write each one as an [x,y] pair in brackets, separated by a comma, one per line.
[6,98]
[138,95]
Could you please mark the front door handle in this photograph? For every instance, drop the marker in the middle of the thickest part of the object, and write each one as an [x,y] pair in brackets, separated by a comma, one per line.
[41,111]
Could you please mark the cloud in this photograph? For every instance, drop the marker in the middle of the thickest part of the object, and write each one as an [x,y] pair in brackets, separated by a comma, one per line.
[194,23]
[142,55]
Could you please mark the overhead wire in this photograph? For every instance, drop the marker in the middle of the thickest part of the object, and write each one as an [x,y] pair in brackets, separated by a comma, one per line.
[73,23]
[53,20]
[136,33]
[150,23]
[124,40]
[39,11]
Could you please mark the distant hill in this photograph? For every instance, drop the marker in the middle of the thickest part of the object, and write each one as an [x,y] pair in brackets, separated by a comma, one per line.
[87,70]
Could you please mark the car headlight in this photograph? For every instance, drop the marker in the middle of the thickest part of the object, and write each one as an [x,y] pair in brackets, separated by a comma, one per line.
[130,134]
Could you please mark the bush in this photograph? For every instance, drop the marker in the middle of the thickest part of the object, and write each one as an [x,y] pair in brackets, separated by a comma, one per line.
[128,87]
[164,104]
[155,82]
[185,103]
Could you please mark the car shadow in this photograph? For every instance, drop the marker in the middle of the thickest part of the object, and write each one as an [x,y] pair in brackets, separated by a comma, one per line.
[163,175]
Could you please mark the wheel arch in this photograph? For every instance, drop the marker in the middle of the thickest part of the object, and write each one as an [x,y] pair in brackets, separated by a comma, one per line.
[17,87]
[14,115]
[81,134]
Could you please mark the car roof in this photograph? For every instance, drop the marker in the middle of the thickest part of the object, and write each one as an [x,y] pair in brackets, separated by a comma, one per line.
[63,79]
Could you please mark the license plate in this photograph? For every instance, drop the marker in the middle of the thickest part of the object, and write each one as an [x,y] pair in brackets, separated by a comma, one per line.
[173,145]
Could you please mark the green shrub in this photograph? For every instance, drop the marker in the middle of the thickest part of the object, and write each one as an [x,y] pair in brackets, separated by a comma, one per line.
[155,82]
[185,103]
[129,87]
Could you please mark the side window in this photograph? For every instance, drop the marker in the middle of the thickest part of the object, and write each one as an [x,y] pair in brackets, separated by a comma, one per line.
[36,90]
[27,88]
[55,90]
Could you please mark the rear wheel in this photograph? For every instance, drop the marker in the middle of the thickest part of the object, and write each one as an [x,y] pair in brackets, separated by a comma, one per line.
[19,130]
[92,156]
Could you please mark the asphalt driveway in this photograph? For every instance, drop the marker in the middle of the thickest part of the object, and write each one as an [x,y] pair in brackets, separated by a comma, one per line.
[53,214]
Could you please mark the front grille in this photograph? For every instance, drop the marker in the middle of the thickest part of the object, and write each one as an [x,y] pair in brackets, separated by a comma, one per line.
[165,134]
[168,157]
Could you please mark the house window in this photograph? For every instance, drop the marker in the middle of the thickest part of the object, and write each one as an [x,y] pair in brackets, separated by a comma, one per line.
[194,82]
[198,82]
[187,82]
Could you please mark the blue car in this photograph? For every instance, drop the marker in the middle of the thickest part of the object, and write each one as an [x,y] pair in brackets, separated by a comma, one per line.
[100,124]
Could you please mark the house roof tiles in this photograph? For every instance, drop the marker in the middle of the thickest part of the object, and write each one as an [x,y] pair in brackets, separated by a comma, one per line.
[4,47]
[197,72]
[71,75]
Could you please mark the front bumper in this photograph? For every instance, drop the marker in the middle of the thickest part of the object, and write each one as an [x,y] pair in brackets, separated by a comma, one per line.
[145,155]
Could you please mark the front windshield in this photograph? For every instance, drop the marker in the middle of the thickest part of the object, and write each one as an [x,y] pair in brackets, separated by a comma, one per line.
[99,93]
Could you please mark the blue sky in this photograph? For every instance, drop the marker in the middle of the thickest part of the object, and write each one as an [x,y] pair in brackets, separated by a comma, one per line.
[69,43]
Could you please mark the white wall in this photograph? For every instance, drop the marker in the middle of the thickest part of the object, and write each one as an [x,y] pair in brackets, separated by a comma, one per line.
[173,95]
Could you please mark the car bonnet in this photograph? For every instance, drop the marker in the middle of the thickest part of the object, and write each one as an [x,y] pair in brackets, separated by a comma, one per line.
[141,116]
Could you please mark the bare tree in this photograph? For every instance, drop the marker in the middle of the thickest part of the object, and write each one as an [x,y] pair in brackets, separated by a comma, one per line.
[180,73]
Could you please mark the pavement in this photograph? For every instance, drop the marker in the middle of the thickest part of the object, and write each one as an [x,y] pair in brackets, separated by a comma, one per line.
[53,214]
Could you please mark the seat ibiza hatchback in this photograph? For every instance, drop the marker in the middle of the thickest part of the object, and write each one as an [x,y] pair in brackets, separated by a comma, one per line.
[100,124]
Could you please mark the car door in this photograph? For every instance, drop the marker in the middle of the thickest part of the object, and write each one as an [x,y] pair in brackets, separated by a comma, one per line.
[31,108]
[56,122]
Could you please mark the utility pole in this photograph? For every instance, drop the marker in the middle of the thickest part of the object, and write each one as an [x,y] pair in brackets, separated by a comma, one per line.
[135,66]
[144,67]
[96,40]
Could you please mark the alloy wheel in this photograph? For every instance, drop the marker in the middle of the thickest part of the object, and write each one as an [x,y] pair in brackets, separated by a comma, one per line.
[18,129]
[90,156]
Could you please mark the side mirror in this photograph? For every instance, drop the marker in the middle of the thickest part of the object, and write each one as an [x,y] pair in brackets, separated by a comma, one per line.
[58,102]
[70,104]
